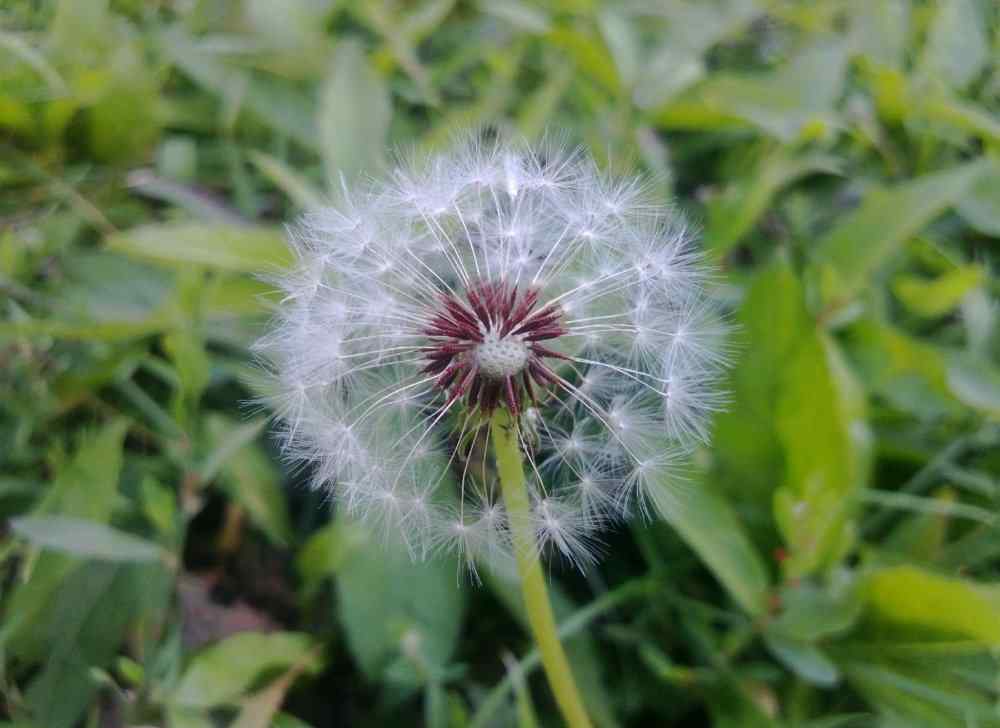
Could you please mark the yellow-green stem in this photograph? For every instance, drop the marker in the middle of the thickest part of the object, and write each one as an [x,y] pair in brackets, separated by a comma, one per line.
[536,597]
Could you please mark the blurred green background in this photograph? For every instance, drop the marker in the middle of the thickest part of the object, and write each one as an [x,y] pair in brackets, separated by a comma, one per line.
[838,563]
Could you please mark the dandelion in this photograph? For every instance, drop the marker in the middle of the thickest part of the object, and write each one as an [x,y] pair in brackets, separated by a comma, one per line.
[500,352]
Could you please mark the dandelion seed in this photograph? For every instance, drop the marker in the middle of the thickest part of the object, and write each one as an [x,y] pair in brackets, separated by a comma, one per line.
[494,277]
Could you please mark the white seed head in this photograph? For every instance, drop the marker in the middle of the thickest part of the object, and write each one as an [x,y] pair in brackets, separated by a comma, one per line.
[502,356]
[492,276]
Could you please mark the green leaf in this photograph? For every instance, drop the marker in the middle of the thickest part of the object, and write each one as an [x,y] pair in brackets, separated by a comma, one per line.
[89,618]
[677,61]
[228,247]
[326,551]
[827,447]
[394,609]
[958,46]
[980,206]
[806,660]
[794,100]
[924,693]
[733,214]
[85,487]
[845,258]
[938,296]
[708,524]
[810,612]
[908,372]
[110,288]
[772,320]
[354,115]
[122,123]
[297,188]
[879,30]
[976,382]
[590,55]
[281,106]
[247,475]
[85,539]
[223,673]
[933,605]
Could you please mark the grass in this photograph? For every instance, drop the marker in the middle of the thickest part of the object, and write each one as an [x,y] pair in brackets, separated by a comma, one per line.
[837,562]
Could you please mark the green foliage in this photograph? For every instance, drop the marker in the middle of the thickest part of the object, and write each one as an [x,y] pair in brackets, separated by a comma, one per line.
[833,558]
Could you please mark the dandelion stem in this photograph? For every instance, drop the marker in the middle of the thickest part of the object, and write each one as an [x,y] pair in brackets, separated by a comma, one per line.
[536,596]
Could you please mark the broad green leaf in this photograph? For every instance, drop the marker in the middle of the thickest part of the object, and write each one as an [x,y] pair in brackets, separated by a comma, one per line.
[938,296]
[844,259]
[258,710]
[827,447]
[17,45]
[326,551]
[227,247]
[976,382]
[281,106]
[933,605]
[187,353]
[677,60]
[85,539]
[708,524]
[910,373]
[810,612]
[772,321]
[980,206]
[354,115]
[922,693]
[104,287]
[122,122]
[794,100]
[89,618]
[81,32]
[222,673]
[391,605]
[297,188]
[623,42]
[733,214]
[805,659]
[879,30]
[815,456]
[590,55]
[103,332]
[955,113]
[85,487]
[522,15]
[957,46]
[247,475]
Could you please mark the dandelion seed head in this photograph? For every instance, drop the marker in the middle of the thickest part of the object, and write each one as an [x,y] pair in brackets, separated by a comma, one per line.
[494,276]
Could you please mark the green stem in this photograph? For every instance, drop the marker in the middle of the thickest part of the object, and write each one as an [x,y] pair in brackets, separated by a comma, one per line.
[536,597]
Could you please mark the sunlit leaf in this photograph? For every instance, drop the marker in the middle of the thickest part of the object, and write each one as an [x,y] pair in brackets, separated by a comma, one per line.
[940,295]
[939,606]
[245,249]
[957,46]
[711,528]
[222,673]
[354,115]
[390,605]
[867,237]
[85,539]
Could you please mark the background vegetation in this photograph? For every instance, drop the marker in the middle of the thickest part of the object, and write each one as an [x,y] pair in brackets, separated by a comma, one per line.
[839,563]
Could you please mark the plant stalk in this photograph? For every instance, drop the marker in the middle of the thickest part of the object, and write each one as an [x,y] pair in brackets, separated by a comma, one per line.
[536,596]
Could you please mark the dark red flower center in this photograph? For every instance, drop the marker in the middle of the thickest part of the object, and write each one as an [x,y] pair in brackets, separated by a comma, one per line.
[488,347]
